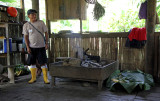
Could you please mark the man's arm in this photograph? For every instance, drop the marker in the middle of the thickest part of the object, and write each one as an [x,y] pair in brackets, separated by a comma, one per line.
[47,42]
[27,43]
[46,36]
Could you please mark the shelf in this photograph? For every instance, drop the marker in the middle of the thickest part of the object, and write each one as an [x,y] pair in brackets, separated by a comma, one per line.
[3,24]
[4,55]
[10,23]
[17,38]
[14,52]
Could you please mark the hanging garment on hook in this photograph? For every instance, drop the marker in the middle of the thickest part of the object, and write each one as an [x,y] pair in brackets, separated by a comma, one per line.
[143,11]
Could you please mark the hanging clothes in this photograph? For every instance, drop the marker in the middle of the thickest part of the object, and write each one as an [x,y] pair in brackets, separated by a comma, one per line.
[137,38]
[143,11]
[138,34]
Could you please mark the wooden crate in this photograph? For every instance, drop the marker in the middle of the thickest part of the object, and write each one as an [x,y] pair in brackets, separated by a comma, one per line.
[83,73]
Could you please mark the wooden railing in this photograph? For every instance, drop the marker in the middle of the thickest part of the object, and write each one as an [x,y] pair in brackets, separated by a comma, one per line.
[106,45]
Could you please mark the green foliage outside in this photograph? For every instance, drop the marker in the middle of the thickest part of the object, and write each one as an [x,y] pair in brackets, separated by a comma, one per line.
[158,12]
[65,25]
[127,19]
[11,3]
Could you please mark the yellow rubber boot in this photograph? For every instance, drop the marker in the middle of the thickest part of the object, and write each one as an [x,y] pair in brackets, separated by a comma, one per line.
[33,73]
[45,77]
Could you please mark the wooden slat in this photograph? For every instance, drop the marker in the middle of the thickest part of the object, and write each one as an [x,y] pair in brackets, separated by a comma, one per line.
[52,51]
[120,53]
[114,48]
[104,47]
[91,46]
[86,44]
[64,47]
[57,49]
[97,46]
[72,48]
[156,56]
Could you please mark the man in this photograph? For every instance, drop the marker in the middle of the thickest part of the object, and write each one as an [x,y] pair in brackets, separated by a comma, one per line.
[36,44]
[39,70]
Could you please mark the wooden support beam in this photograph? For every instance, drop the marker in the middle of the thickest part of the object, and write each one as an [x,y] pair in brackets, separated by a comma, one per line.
[49,29]
[47,21]
[80,16]
[23,7]
[35,5]
[10,70]
[151,18]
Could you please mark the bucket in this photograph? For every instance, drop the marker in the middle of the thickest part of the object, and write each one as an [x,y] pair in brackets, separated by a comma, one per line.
[20,47]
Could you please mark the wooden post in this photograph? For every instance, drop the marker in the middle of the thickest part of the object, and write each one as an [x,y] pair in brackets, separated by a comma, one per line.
[10,70]
[35,5]
[47,21]
[151,18]
[80,16]
[23,7]
[49,31]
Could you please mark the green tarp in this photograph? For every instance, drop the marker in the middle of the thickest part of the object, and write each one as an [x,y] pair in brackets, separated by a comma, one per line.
[129,80]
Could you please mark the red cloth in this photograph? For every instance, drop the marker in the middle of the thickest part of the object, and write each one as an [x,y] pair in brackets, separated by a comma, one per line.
[138,34]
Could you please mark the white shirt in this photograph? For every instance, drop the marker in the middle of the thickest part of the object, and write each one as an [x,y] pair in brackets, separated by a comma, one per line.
[36,40]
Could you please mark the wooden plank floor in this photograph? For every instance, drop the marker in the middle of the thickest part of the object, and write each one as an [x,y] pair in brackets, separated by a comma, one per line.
[69,90]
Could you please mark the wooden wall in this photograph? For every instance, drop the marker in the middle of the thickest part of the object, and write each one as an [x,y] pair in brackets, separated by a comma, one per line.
[66,9]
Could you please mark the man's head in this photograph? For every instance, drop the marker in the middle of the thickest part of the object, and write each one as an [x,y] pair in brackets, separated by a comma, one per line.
[32,14]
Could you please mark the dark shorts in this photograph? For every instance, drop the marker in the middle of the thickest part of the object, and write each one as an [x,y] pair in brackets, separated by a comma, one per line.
[38,54]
